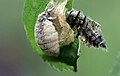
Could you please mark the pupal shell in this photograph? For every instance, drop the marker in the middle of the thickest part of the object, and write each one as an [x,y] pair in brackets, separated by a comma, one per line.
[66,34]
[88,30]
[52,30]
[46,35]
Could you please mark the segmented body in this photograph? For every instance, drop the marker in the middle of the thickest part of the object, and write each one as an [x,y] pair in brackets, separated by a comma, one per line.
[46,35]
[87,29]
[52,29]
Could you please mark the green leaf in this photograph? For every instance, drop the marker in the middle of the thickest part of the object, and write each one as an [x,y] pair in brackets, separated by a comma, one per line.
[116,67]
[68,54]
[69,5]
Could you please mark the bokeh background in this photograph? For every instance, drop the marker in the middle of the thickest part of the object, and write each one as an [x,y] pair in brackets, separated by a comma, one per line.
[18,58]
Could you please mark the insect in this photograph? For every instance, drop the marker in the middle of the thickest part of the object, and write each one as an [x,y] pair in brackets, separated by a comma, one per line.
[51,29]
[46,35]
[87,29]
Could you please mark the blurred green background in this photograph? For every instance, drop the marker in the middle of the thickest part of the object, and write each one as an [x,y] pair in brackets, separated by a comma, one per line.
[17,57]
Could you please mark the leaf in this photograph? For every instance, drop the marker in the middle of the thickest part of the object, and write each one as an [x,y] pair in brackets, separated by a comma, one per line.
[116,68]
[69,5]
[68,54]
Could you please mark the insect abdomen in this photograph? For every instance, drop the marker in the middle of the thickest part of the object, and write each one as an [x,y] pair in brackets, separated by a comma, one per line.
[46,36]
